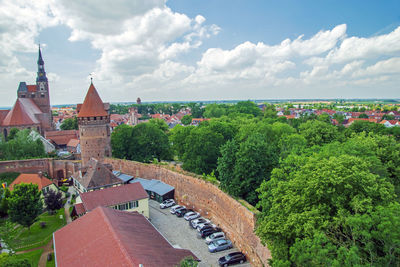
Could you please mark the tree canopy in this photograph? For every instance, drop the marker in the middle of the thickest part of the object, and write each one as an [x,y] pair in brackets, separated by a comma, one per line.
[21,146]
[24,204]
[69,124]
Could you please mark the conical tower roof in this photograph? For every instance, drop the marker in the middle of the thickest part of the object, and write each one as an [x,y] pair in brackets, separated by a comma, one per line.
[92,106]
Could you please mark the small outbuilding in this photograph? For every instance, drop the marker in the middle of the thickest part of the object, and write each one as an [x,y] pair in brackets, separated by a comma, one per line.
[156,189]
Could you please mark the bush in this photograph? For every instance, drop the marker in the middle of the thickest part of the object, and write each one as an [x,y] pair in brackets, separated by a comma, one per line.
[64,188]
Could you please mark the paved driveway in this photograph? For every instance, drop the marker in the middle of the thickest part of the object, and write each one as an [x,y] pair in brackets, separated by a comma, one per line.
[178,232]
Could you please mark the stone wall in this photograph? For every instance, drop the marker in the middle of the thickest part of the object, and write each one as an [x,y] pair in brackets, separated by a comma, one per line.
[236,220]
[57,169]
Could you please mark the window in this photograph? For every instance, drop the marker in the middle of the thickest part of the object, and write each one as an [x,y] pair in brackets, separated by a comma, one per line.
[41,95]
[133,204]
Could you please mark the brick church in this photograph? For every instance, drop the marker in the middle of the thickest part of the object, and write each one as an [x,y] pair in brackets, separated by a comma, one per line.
[32,109]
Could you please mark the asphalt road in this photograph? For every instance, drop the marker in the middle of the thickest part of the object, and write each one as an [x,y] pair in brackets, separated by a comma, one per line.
[178,232]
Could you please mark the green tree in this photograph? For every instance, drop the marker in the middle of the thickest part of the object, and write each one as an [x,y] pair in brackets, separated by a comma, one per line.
[161,124]
[121,139]
[215,110]
[186,120]
[202,150]
[363,116]
[188,262]
[8,233]
[318,132]
[22,146]
[53,200]
[270,111]
[69,124]
[149,142]
[24,204]
[5,193]
[178,137]
[364,126]
[336,197]
[247,107]
[12,134]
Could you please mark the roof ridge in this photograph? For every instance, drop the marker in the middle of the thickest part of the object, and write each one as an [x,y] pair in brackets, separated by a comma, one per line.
[116,236]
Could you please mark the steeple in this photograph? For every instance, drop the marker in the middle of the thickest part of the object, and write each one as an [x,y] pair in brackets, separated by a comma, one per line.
[41,74]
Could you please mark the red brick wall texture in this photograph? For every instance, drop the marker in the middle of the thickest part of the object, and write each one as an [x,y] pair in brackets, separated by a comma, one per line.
[235,219]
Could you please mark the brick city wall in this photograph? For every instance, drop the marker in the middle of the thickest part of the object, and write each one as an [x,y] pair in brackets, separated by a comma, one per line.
[235,219]
[55,168]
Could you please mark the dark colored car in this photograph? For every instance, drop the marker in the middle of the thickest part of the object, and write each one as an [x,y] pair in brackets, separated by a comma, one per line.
[208,231]
[232,258]
[181,212]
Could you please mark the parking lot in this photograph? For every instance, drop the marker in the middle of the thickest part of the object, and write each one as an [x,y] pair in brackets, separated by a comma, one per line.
[178,232]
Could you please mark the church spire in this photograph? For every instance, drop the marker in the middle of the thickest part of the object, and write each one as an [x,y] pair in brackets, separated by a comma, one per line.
[41,74]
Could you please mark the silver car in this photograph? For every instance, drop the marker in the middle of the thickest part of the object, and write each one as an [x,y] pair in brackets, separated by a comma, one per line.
[219,245]
[215,237]
[191,216]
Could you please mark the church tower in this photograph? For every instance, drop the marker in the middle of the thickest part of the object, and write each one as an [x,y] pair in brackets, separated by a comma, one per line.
[94,127]
[42,97]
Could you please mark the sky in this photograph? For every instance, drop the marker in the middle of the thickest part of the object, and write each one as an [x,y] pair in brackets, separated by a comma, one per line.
[191,50]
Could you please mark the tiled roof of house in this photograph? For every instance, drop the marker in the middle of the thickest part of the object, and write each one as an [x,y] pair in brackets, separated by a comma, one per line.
[97,175]
[113,195]
[31,88]
[108,237]
[23,113]
[31,178]
[73,143]
[79,209]
[61,137]
[92,105]
[3,114]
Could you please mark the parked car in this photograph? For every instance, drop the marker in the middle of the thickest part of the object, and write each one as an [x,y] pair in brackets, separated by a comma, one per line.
[214,237]
[195,222]
[167,203]
[219,245]
[173,209]
[178,209]
[208,231]
[191,216]
[232,258]
[181,212]
[201,226]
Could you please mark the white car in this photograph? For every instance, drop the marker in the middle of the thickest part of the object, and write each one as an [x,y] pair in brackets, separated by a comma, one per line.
[215,237]
[191,216]
[167,203]
[195,222]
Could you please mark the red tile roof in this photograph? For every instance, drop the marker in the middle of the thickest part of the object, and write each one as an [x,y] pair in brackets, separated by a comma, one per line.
[31,178]
[79,209]
[61,137]
[23,113]
[113,195]
[31,88]
[92,105]
[107,237]
[73,142]
[3,114]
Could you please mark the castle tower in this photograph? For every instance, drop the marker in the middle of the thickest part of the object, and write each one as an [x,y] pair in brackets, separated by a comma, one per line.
[94,127]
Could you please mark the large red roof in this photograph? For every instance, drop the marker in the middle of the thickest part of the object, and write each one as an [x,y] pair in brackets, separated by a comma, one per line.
[113,195]
[92,105]
[23,113]
[31,178]
[61,137]
[108,237]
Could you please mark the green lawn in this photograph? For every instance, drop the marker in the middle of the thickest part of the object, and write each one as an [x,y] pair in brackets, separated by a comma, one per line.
[37,236]
[33,256]
[8,177]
